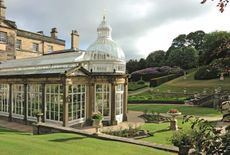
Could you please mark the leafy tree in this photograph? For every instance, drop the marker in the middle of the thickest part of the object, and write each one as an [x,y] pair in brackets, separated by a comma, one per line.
[132,65]
[221,4]
[141,64]
[178,42]
[156,59]
[215,45]
[185,57]
[193,39]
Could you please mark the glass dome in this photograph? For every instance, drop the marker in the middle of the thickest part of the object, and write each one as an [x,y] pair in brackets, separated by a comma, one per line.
[104,47]
[105,55]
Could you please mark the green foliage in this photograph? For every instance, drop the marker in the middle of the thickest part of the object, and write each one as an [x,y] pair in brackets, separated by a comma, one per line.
[156,59]
[215,46]
[193,40]
[135,86]
[206,137]
[158,81]
[185,57]
[97,116]
[206,73]
[182,138]
[131,65]
[141,82]
[163,97]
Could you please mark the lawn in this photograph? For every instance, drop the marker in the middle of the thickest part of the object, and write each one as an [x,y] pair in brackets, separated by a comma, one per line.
[161,133]
[20,143]
[186,110]
[193,86]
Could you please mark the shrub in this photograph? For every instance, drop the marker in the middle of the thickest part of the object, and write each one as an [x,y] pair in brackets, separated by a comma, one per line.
[182,137]
[141,82]
[153,72]
[135,86]
[206,73]
[97,116]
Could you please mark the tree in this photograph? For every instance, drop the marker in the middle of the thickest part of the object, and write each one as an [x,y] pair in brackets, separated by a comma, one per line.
[193,39]
[185,57]
[215,45]
[141,64]
[221,4]
[156,59]
[132,65]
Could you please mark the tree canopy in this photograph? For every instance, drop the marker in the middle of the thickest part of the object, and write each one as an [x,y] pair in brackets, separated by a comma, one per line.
[156,59]
[216,45]
[184,57]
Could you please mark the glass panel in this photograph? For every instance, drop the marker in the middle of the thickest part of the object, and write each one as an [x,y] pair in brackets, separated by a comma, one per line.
[18,99]
[34,93]
[4,97]
[103,99]
[77,94]
[54,102]
[119,98]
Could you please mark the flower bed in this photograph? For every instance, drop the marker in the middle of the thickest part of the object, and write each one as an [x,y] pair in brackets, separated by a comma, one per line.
[130,132]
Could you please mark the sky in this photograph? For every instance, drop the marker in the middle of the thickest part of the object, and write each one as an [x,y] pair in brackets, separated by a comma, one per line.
[139,26]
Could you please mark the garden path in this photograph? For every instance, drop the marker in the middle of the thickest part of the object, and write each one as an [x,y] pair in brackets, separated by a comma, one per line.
[139,91]
[16,126]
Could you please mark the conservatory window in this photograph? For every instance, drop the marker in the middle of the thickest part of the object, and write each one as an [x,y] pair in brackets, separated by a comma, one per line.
[34,94]
[77,97]
[18,99]
[119,98]
[54,102]
[102,99]
[4,96]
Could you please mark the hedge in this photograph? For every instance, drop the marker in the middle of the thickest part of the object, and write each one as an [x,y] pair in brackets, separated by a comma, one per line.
[158,81]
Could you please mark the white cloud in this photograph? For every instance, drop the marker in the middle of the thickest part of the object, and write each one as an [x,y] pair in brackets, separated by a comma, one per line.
[139,26]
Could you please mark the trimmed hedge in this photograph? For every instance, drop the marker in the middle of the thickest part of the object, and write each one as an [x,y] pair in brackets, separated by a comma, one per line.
[132,86]
[146,77]
[158,81]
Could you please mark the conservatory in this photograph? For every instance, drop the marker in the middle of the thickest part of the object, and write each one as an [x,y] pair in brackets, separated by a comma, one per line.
[67,86]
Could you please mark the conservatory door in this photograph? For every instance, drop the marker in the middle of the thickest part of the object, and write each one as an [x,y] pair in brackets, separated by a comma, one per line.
[34,99]
[119,100]
[77,99]
[54,103]
[18,101]
[4,99]
[102,100]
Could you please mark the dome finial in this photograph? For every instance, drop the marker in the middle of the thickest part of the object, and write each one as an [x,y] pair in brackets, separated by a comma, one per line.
[104,14]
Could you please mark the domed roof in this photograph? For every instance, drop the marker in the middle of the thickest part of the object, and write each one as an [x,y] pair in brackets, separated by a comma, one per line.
[104,47]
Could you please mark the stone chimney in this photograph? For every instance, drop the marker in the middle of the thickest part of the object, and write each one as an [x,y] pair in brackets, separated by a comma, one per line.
[74,40]
[2,9]
[53,33]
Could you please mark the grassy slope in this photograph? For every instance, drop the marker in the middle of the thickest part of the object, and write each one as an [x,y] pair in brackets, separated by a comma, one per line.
[19,143]
[194,85]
